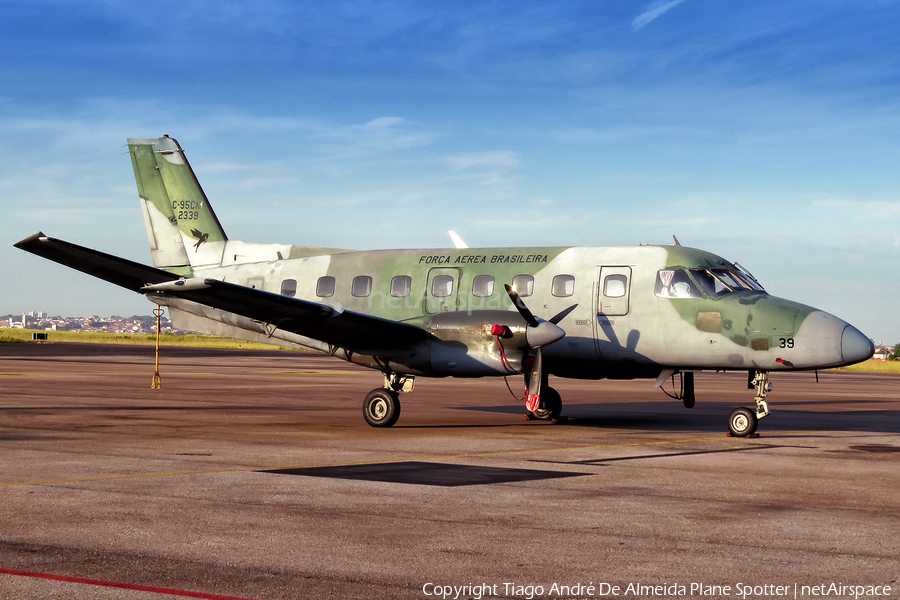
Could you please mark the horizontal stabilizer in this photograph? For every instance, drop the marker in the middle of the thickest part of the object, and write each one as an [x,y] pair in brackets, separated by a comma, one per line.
[120,271]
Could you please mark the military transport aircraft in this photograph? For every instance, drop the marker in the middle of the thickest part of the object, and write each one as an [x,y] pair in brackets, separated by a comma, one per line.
[588,313]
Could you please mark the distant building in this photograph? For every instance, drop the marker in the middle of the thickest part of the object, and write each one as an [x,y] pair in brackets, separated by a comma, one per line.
[882,352]
[143,324]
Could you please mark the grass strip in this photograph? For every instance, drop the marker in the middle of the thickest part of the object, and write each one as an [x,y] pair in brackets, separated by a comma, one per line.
[13,336]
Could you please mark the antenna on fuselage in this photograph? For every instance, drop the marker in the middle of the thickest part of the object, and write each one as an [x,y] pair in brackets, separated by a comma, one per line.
[677,243]
[457,241]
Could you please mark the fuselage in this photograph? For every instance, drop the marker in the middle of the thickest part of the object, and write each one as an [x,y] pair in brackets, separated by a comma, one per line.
[637,310]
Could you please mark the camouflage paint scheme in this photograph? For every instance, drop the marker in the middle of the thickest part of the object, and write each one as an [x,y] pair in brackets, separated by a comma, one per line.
[635,331]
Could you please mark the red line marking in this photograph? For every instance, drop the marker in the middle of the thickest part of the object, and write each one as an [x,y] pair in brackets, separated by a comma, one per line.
[121,586]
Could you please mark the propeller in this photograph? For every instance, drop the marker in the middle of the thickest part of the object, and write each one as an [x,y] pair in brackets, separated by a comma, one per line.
[538,333]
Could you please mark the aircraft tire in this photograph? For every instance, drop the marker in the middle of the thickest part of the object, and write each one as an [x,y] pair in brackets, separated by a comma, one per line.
[551,405]
[742,422]
[381,408]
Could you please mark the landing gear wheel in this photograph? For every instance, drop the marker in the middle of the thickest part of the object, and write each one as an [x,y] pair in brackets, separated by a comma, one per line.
[742,422]
[381,408]
[550,407]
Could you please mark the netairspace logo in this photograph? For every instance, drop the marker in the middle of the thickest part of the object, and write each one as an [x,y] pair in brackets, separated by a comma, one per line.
[663,591]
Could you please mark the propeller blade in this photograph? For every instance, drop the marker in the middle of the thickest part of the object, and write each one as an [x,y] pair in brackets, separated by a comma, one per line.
[563,314]
[520,306]
[533,395]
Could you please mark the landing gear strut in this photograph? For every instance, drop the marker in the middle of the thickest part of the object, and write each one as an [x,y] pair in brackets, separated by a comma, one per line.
[550,405]
[743,421]
[381,407]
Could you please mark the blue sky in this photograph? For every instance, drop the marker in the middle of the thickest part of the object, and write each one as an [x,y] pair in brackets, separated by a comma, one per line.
[767,132]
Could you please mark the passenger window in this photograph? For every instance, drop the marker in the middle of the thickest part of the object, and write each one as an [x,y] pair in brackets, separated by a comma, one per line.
[483,286]
[563,285]
[442,286]
[523,285]
[325,287]
[289,287]
[401,285]
[614,286]
[675,283]
[362,286]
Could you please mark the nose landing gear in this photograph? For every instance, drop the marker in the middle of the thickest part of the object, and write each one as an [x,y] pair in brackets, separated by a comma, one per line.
[743,421]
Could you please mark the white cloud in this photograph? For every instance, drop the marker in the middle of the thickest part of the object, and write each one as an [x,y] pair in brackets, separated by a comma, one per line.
[382,134]
[381,123]
[623,132]
[675,223]
[876,211]
[530,221]
[226,167]
[653,12]
[484,160]
[256,183]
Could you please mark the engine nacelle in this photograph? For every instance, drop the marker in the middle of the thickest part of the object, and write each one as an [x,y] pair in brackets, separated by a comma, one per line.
[467,348]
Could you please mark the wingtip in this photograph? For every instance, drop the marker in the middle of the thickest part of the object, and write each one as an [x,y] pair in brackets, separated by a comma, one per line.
[30,240]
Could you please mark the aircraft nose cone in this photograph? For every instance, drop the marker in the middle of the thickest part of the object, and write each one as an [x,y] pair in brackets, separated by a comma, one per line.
[545,333]
[855,347]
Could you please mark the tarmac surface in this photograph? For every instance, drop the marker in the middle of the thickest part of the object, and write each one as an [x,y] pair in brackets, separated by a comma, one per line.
[251,474]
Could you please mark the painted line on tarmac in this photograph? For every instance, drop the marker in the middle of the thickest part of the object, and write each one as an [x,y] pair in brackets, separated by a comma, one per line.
[365,462]
[118,585]
[315,372]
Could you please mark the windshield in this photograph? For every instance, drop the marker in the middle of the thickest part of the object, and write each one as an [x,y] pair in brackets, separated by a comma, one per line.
[718,282]
[748,277]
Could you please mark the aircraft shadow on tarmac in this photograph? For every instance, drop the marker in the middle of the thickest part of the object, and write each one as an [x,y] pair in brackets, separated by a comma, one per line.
[427,473]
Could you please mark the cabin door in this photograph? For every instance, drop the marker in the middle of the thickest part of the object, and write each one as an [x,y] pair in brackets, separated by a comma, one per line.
[613,291]
[612,298]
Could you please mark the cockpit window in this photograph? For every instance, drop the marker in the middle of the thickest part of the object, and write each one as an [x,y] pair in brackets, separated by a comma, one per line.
[675,283]
[718,282]
[748,278]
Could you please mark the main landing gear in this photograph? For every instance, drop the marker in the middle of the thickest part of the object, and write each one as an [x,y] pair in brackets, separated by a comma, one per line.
[381,407]
[743,421]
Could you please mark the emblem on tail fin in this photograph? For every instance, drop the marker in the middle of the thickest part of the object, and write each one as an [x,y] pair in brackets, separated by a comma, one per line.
[201,237]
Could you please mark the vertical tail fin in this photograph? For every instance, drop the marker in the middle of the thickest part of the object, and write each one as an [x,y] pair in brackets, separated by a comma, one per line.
[183,230]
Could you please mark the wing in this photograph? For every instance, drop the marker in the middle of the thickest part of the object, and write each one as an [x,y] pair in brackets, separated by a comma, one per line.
[327,323]
[197,234]
[330,324]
